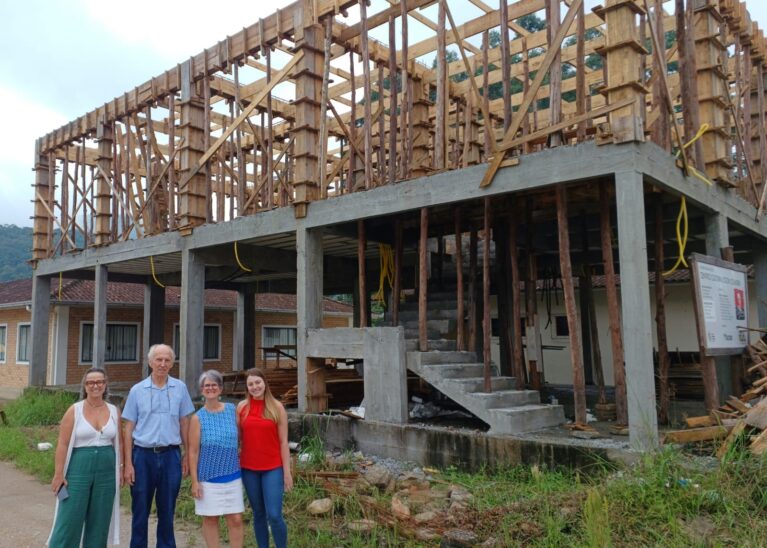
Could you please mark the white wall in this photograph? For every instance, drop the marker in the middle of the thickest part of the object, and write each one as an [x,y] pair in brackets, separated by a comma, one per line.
[680,329]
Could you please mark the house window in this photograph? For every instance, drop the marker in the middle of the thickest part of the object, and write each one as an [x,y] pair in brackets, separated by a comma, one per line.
[211,342]
[561,329]
[121,342]
[3,335]
[23,343]
[282,338]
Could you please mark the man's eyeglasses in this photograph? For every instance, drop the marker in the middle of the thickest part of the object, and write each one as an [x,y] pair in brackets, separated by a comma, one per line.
[91,384]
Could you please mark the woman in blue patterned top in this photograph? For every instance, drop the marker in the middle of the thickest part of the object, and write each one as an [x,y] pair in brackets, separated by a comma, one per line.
[214,464]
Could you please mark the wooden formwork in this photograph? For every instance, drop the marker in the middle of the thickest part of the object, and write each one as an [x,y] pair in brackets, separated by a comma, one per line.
[305,105]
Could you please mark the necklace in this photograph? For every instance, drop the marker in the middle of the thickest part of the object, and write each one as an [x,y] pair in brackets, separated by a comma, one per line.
[95,406]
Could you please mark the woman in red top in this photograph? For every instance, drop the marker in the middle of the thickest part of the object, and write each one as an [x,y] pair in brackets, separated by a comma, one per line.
[265,459]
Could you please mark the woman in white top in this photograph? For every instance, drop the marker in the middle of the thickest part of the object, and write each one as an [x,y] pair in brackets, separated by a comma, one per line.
[87,474]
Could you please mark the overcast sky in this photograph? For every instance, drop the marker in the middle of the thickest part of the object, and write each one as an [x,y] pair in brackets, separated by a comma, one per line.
[62,59]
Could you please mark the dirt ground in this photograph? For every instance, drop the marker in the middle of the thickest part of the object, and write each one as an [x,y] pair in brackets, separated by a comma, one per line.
[26,510]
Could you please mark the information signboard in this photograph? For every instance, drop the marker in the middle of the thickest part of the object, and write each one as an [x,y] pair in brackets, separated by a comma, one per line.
[720,294]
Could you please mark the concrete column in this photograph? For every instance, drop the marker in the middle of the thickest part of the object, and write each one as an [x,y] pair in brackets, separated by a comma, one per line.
[41,309]
[635,302]
[385,374]
[99,317]
[717,238]
[760,273]
[244,356]
[309,282]
[154,320]
[191,319]
[60,345]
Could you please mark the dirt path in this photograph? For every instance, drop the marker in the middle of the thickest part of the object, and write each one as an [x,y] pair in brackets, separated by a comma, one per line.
[26,514]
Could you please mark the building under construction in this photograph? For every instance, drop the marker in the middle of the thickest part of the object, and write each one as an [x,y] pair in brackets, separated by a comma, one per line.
[450,154]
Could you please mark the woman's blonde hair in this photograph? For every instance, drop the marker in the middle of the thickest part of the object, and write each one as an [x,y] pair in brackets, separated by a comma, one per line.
[271,406]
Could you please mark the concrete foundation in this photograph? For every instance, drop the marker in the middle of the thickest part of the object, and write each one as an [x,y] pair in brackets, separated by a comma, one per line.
[468,450]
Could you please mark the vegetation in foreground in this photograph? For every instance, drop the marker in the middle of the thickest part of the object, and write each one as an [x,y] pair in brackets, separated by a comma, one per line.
[667,499]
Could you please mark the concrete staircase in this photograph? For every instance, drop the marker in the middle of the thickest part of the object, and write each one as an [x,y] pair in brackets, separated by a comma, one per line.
[458,375]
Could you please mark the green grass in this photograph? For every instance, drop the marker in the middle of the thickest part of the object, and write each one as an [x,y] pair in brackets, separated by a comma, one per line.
[667,499]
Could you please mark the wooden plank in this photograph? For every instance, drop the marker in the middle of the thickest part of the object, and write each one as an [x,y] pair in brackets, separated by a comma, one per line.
[757,416]
[706,433]
[423,280]
[486,325]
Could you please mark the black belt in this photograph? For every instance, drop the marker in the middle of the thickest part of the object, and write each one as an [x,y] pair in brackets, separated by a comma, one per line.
[158,448]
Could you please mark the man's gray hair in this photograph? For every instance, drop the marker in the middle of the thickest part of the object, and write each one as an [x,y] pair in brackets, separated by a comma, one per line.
[155,347]
[211,375]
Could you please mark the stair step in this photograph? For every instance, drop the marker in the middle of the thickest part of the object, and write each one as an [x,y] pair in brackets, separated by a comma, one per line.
[506,398]
[438,344]
[525,418]
[454,370]
[442,357]
[477,384]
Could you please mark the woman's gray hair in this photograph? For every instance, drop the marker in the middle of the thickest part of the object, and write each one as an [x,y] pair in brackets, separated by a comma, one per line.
[211,375]
[105,395]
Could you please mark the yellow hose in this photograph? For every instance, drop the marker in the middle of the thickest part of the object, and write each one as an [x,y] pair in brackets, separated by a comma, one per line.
[239,263]
[154,275]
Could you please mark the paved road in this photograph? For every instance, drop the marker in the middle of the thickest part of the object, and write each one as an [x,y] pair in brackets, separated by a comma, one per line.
[26,514]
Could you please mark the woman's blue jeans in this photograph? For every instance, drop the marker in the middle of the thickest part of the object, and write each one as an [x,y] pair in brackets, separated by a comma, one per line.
[264,490]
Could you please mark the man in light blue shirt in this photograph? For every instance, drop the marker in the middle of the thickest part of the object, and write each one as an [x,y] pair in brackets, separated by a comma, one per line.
[156,415]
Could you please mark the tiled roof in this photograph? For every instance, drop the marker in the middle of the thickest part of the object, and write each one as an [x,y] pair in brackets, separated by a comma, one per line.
[82,291]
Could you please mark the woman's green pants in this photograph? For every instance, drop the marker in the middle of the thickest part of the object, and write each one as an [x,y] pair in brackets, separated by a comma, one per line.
[88,510]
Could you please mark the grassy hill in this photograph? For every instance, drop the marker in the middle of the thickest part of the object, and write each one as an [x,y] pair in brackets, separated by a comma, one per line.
[15,251]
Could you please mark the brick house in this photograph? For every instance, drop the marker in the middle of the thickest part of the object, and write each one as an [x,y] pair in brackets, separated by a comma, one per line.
[71,330]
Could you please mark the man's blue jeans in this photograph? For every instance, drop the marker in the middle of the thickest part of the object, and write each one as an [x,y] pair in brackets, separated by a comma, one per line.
[264,490]
[158,477]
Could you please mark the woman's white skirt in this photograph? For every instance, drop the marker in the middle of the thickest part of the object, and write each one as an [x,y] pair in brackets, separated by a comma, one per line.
[219,499]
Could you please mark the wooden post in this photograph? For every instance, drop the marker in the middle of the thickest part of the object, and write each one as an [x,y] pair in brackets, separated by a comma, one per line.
[505,65]
[367,129]
[308,82]
[393,94]
[192,206]
[579,383]
[486,325]
[102,229]
[440,130]
[624,54]
[613,307]
[420,162]
[460,313]
[397,285]
[406,121]
[532,326]
[685,45]
[555,73]
[423,280]
[713,88]
[516,307]
[661,129]
[361,271]
[41,229]
[473,317]
[664,395]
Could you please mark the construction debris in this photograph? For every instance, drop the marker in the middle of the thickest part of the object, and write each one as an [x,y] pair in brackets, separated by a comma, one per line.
[743,418]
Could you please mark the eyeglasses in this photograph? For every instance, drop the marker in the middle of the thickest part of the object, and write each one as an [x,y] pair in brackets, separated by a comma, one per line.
[91,384]
[210,386]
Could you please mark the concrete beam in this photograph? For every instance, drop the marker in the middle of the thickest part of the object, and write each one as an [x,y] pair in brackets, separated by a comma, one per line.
[660,169]
[99,317]
[549,167]
[41,309]
[159,244]
[308,309]
[191,319]
[340,342]
[635,302]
